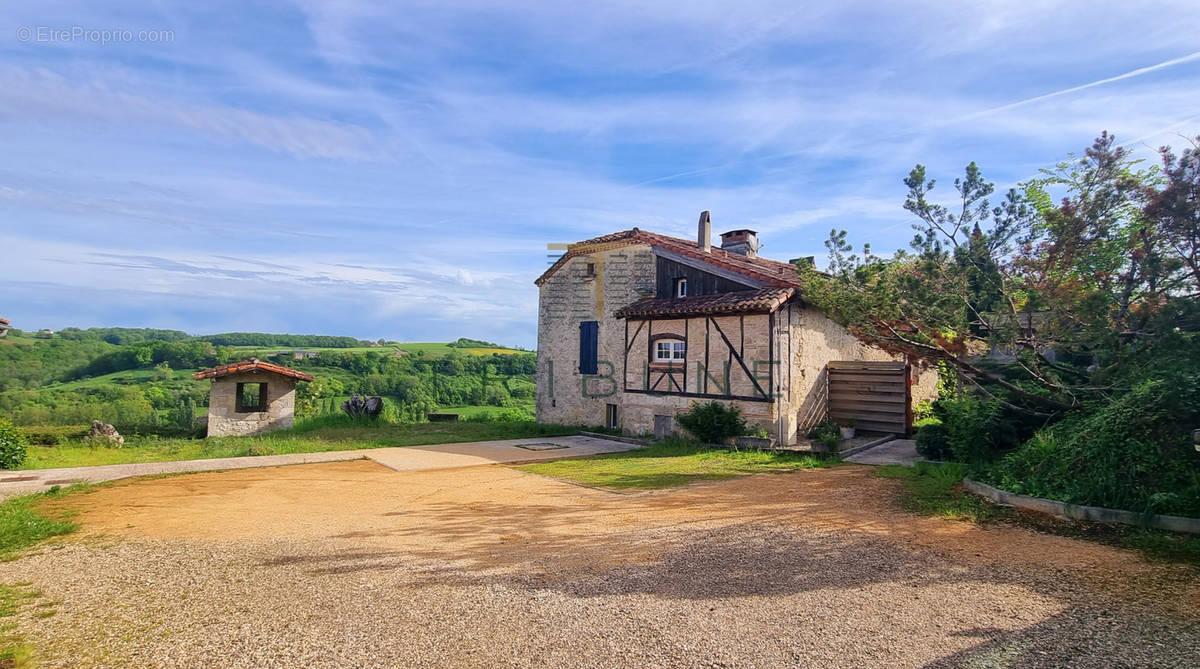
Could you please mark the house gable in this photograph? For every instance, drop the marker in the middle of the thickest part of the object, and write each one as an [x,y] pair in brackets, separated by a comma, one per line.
[701,279]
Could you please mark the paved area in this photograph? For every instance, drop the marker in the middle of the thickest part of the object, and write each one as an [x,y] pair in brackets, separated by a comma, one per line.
[409,458]
[352,564]
[894,452]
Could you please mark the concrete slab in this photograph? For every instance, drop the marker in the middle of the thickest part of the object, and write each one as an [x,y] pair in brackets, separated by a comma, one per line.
[408,458]
[470,454]
[894,452]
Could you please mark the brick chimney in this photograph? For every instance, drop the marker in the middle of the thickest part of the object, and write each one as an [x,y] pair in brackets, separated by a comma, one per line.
[704,232]
[742,242]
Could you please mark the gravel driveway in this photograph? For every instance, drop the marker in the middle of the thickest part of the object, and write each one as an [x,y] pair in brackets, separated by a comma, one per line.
[351,564]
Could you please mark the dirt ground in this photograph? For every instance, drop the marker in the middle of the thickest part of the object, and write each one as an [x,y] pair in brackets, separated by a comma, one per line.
[352,564]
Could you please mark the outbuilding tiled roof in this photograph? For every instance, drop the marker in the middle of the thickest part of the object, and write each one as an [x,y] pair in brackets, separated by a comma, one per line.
[738,302]
[251,365]
[771,272]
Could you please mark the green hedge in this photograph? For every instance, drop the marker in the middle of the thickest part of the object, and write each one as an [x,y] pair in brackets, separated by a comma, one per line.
[50,435]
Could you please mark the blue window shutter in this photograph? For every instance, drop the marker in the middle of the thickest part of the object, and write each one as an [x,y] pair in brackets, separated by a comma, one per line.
[588,345]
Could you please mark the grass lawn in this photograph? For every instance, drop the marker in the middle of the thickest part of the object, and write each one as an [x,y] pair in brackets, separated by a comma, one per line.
[22,525]
[672,463]
[936,490]
[323,433]
[14,651]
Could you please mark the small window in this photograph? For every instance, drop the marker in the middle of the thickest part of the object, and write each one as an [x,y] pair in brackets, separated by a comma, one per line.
[589,270]
[669,350]
[610,416]
[680,287]
[251,397]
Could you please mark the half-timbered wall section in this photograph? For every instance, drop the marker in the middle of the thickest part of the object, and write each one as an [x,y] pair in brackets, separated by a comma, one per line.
[727,357]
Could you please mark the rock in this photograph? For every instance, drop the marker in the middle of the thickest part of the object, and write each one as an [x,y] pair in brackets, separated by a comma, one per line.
[104,434]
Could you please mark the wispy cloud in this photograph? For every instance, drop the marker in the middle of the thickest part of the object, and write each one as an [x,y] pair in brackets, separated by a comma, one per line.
[1191,57]
[379,170]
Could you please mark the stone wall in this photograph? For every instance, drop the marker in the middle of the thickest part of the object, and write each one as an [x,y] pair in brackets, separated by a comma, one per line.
[805,342]
[224,418]
[623,275]
[815,341]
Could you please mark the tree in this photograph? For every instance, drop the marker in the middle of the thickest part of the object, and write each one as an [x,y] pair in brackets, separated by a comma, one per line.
[1093,278]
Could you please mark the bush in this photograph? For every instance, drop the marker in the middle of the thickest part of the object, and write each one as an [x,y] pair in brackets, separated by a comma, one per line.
[977,432]
[12,445]
[50,435]
[713,422]
[828,432]
[512,415]
[1133,452]
[933,441]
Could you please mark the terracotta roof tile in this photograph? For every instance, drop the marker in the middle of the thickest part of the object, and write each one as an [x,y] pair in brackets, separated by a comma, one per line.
[738,302]
[253,364]
[772,272]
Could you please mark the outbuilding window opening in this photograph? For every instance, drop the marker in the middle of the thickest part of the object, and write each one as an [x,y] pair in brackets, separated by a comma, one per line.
[251,397]
[670,350]
[681,288]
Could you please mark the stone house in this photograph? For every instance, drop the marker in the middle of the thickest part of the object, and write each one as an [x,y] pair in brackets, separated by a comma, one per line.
[251,397]
[634,326]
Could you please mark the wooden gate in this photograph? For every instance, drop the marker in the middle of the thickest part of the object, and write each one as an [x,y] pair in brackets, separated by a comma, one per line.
[875,395]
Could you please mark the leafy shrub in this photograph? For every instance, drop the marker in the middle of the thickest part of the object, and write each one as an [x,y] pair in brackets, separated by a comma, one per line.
[12,445]
[921,411]
[978,432]
[1132,452]
[713,422]
[828,432]
[511,415]
[50,435]
[933,441]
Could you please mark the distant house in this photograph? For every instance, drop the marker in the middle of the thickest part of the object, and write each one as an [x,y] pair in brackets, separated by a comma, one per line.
[46,331]
[634,326]
[4,327]
[251,397]
[302,355]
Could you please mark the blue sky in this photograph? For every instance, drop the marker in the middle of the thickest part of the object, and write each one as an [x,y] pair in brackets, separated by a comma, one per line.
[397,169]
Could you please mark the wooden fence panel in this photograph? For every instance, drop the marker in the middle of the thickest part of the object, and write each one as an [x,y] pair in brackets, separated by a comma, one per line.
[875,395]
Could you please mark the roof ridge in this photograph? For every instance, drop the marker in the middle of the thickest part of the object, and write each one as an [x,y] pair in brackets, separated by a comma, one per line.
[250,364]
[773,271]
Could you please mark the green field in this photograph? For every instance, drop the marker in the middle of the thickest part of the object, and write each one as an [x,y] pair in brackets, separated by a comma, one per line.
[318,434]
[132,377]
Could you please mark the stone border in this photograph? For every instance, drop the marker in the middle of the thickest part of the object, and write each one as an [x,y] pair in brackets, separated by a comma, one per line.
[1095,514]
[870,444]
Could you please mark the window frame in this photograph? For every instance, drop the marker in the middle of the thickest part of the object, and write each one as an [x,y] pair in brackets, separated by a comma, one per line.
[239,407]
[676,351]
[681,287]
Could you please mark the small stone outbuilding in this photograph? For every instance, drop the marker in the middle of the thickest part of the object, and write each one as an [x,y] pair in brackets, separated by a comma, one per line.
[251,397]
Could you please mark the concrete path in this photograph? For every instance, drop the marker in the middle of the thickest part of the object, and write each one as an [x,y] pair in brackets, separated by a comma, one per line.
[406,458]
[894,452]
